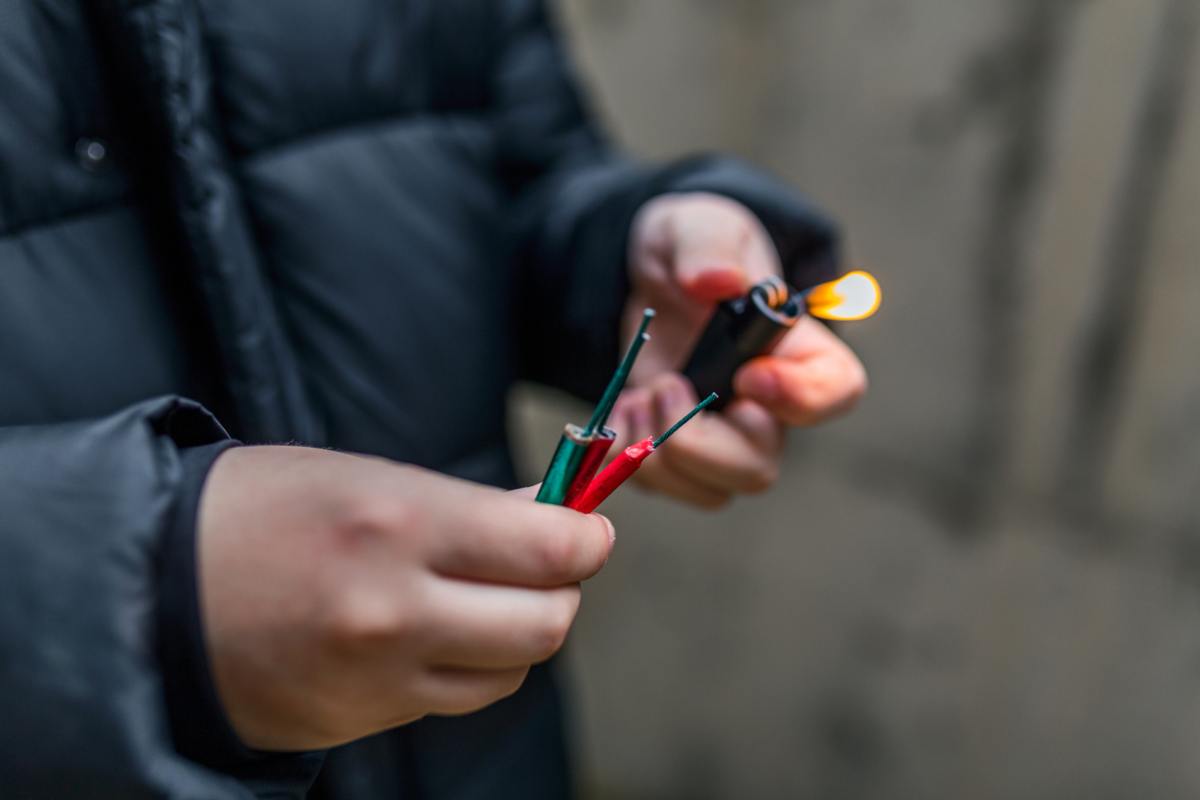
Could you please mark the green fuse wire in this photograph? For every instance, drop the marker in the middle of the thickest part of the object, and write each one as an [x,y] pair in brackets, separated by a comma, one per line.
[575,441]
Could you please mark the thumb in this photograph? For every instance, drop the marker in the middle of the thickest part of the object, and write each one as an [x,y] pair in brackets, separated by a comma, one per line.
[720,249]
[708,260]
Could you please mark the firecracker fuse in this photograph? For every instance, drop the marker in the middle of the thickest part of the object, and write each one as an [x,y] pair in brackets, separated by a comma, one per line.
[581,451]
[627,462]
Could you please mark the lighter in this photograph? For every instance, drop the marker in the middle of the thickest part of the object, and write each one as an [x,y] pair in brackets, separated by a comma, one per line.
[754,324]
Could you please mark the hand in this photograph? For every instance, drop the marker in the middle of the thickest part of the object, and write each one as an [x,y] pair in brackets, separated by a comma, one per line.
[344,595]
[688,252]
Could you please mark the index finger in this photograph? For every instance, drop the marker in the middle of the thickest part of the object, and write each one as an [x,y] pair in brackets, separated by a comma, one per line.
[509,539]
[810,377]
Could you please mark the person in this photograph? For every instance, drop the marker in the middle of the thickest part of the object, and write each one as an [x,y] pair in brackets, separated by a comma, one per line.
[240,241]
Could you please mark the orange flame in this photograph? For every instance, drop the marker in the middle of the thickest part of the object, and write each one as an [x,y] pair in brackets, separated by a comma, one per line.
[855,295]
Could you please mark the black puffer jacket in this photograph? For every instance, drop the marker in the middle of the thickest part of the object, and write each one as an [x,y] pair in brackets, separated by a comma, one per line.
[352,224]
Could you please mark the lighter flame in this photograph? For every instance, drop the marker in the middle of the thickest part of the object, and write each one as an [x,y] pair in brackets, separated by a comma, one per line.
[855,295]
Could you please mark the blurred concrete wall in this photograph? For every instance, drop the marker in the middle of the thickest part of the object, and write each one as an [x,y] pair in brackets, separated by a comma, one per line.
[986,584]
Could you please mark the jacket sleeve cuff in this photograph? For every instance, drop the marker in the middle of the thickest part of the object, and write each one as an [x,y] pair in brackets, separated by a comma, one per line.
[199,727]
[198,724]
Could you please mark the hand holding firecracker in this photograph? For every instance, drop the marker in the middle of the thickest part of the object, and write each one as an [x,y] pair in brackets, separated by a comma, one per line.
[765,332]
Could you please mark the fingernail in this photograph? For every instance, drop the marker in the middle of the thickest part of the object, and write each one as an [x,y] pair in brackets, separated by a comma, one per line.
[761,384]
[612,531]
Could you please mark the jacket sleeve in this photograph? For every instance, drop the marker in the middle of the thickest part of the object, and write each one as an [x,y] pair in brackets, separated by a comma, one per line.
[84,508]
[574,198]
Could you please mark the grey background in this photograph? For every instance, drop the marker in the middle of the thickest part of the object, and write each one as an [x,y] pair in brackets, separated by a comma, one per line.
[985,583]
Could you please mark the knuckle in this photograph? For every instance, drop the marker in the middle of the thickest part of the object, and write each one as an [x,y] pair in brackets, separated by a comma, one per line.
[549,642]
[515,680]
[361,620]
[367,515]
[565,613]
[491,690]
[557,555]
[556,627]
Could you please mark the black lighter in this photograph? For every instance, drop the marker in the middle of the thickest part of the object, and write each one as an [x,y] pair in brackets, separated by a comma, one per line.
[739,330]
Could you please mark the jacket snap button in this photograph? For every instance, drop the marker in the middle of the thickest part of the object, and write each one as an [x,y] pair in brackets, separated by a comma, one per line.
[91,153]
